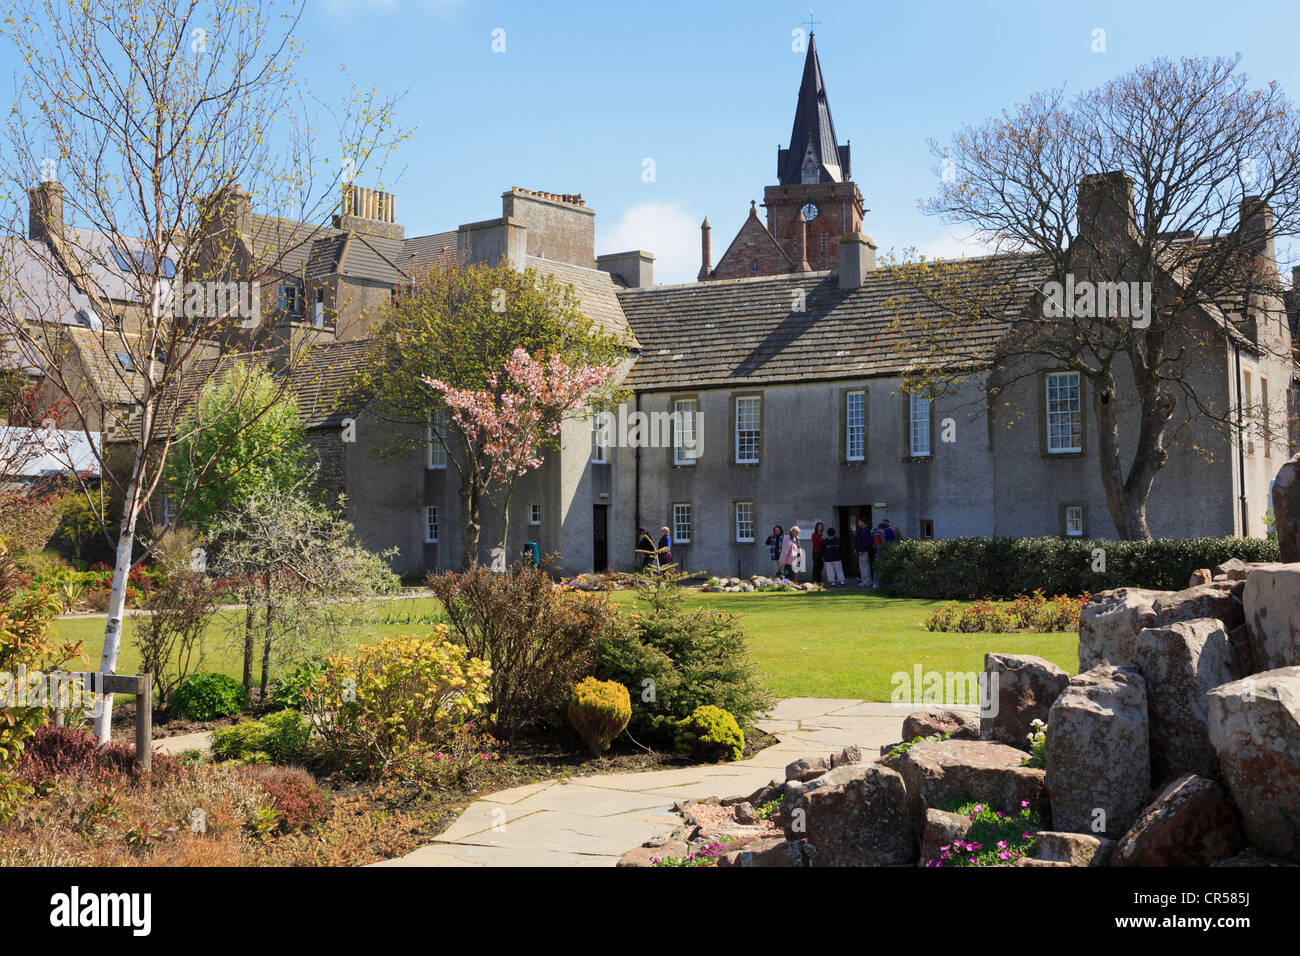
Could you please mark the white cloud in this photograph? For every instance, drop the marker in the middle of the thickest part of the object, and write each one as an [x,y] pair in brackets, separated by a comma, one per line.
[668,230]
[954,245]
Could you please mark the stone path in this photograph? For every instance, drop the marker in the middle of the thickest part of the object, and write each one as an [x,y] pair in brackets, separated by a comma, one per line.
[592,821]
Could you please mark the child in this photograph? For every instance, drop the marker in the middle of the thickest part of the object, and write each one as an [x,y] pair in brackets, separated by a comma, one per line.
[832,556]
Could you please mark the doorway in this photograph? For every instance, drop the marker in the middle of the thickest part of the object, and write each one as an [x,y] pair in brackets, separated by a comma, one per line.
[847,529]
[600,538]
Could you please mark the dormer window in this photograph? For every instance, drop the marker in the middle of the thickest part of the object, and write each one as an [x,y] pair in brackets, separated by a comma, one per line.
[811,171]
[287,296]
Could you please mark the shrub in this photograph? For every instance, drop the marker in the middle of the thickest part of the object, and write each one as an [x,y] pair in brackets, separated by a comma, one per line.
[281,737]
[207,696]
[599,711]
[292,793]
[1000,568]
[676,658]
[456,760]
[710,734]
[389,696]
[289,691]
[539,641]
[52,751]
[1026,613]
[170,637]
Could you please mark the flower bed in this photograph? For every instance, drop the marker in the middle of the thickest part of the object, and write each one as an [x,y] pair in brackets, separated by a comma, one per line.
[1034,612]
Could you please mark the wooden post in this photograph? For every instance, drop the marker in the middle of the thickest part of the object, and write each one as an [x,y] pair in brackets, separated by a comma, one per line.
[144,723]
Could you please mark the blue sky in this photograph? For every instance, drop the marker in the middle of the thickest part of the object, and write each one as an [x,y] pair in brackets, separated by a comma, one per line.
[586,91]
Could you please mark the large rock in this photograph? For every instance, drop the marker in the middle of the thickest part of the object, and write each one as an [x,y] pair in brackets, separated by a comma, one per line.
[1286,509]
[935,723]
[1098,761]
[940,772]
[806,768]
[940,830]
[1272,608]
[1235,569]
[855,815]
[766,851]
[1191,823]
[1180,664]
[1023,689]
[648,853]
[1255,728]
[1109,623]
[1074,849]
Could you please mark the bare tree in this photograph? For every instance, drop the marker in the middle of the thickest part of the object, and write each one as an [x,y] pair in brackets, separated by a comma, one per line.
[161,120]
[1133,233]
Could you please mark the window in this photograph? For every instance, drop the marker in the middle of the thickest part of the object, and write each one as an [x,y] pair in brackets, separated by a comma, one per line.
[1248,411]
[431,525]
[745,522]
[125,360]
[599,438]
[435,435]
[1266,426]
[287,297]
[1074,521]
[919,425]
[318,310]
[855,417]
[927,528]
[681,522]
[754,267]
[748,420]
[685,437]
[1064,413]
[534,514]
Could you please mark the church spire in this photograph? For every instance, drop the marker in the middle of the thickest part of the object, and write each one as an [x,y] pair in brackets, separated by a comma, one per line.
[813,156]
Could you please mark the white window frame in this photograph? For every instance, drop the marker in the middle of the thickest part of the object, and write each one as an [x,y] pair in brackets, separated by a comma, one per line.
[855,426]
[437,428]
[686,420]
[534,515]
[288,299]
[431,524]
[739,507]
[682,509]
[755,433]
[318,309]
[918,422]
[1055,416]
[1265,423]
[1076,521]
[599,452]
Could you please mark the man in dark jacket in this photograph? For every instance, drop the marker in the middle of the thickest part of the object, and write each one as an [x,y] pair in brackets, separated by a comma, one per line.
[862,545]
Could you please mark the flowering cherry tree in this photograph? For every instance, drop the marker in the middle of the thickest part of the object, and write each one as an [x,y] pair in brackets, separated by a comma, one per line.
[512,422]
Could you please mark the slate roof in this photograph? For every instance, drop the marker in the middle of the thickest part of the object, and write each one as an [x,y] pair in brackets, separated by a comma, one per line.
[743,331]
[597,292]
[285,244]
[440,249]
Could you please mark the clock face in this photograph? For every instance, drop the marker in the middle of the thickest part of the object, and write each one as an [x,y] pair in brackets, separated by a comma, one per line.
[809,211]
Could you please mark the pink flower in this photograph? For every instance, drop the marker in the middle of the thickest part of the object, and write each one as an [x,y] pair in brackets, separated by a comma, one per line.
[1002,844]
[1024,803]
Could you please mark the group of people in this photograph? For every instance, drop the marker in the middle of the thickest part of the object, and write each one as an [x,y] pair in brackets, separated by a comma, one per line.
[828,549]
[651,556]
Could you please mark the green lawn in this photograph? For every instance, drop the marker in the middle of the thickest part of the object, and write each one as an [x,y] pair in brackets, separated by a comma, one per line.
[825,644]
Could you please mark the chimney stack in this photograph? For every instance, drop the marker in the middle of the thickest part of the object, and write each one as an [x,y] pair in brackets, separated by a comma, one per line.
[635,268]
[369,211]
[857,258]
[1256,225]
[706,251]
[45,212]
[1106,206]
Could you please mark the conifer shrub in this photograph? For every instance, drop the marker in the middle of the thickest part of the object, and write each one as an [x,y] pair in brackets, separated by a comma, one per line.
[599,711]
[710,734]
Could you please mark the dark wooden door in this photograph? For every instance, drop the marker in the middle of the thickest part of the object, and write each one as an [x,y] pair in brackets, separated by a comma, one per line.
[600,538]
[848,532]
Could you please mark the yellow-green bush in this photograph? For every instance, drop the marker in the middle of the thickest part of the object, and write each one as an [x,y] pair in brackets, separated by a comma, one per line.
[386,697]
[599,711]
[710,734]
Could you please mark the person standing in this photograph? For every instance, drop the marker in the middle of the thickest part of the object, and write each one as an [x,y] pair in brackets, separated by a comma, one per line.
[790,553]
[645,550]
[665,546]
[862,545]
[818,536]
[834,559]
[775,542]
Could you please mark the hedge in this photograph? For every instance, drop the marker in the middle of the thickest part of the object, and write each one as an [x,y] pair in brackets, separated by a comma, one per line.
[972,568]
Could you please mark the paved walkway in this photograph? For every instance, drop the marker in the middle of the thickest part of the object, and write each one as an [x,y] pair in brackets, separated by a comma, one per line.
[592,821]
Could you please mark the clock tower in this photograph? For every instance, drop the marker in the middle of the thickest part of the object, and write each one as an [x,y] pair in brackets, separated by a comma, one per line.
[814,195]
[812,205]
